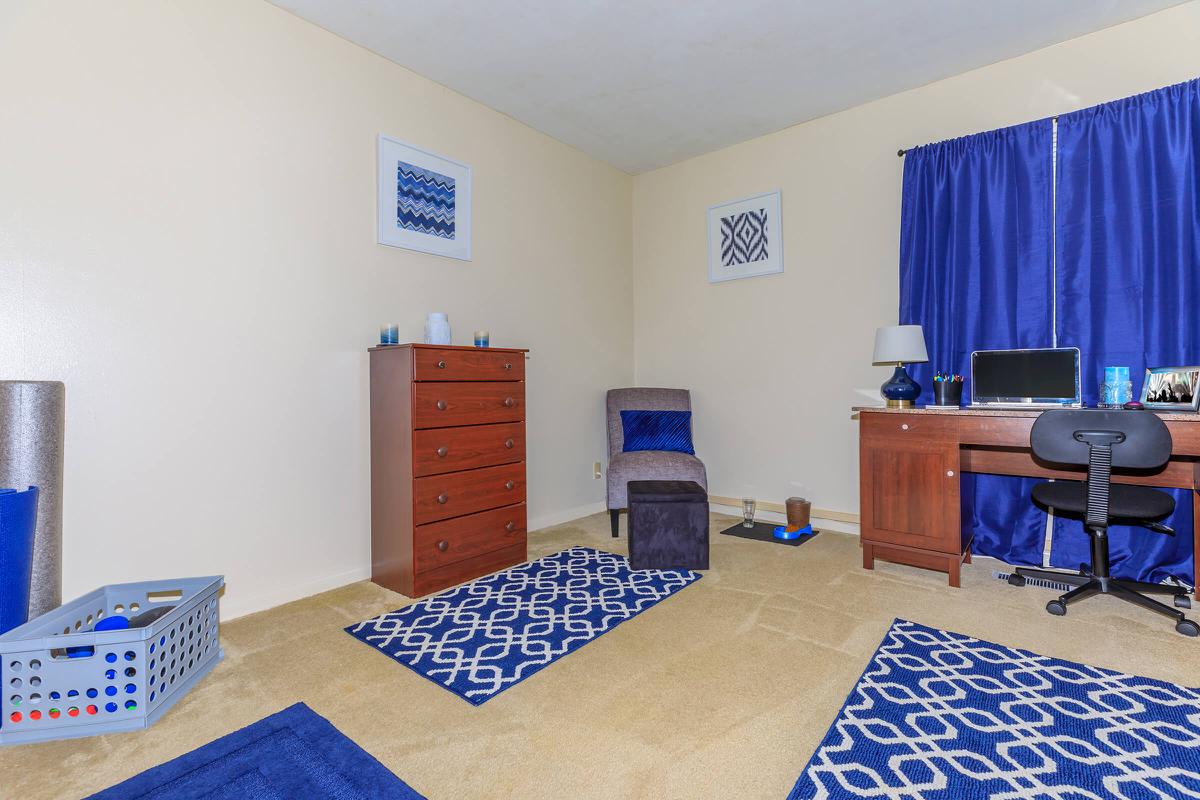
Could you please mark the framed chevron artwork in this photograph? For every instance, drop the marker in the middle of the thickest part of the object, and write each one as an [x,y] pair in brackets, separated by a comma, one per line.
[745,238]
[424,200]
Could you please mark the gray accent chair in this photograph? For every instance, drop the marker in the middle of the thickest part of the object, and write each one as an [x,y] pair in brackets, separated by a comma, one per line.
[645,465]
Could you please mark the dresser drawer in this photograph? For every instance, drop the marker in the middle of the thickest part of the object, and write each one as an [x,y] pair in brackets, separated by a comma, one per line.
[468,365]
[458,493]
[440,450]
[444,405]
[441,543]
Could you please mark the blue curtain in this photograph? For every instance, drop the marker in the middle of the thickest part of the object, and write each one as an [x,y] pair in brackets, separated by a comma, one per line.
[1128,277]
[976,272]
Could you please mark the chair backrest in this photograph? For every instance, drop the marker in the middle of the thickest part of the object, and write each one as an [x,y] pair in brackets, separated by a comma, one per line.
[639,399]
[1139,439]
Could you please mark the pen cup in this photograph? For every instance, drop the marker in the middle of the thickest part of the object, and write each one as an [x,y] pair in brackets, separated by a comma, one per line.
[947,393]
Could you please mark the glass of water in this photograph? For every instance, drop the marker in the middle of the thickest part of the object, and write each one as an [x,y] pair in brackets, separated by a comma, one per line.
[748,512]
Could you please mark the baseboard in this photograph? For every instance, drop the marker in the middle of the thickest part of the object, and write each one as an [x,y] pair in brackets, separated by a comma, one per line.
[840,521]
[566,515]
[780,508]
[236,603]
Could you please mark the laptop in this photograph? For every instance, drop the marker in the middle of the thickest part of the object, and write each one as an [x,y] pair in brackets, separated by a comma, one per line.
[1040,378]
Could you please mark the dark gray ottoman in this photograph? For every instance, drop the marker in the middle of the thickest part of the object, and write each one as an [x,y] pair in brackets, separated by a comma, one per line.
[668,525]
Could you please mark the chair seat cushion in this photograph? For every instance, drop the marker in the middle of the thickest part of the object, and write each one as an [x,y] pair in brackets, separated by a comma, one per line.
[1124,501]
[666,492]
[650,465]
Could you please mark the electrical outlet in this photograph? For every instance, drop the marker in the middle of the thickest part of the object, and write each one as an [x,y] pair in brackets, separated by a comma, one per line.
[596,473]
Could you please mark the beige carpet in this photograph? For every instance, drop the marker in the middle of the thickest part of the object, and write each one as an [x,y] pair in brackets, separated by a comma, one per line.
[720,691]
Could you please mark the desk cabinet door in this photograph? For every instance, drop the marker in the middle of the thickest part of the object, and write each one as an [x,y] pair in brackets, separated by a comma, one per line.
[910,494]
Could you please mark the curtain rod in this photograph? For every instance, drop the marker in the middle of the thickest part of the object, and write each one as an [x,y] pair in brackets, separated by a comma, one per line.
[902,151]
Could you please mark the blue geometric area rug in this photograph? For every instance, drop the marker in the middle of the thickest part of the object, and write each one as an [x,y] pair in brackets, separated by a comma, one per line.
[296,753]
[480,638]
[941,716]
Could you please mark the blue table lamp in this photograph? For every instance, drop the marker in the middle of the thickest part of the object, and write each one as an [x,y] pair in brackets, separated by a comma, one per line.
[900,345]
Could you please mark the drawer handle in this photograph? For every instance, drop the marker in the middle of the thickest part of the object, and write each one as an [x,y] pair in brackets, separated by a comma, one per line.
[443,545]
[509,402]
[442,451]
[510,527]
[441,365]
[509,485]
[904,427]
[508,366]
[441,405]
[949,473]
[508,443]
[443,498]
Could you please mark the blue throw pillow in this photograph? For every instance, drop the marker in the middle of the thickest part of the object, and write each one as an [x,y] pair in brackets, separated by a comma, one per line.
[658,430]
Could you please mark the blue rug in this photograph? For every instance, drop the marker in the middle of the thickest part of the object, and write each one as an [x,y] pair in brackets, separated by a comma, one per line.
[296,753]
[480,638]
[941,716]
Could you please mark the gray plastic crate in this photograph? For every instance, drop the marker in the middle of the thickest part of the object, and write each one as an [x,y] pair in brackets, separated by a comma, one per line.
[120,680]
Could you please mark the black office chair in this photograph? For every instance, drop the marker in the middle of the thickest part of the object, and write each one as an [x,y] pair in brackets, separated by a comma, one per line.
[1102,440]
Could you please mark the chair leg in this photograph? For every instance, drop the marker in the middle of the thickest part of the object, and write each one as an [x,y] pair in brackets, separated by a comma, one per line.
[1050,575]
[614,515]
[1130,596]
[1153,588]
[1081,592]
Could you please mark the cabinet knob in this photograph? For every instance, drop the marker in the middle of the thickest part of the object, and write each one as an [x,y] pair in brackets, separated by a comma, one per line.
[510,527]
[508,443]
[443,498]
[949,473]
[441,365]
[509,402]
[509,485]
[441,405]
[904,426]
[443,545]
[508,366]
[442,451]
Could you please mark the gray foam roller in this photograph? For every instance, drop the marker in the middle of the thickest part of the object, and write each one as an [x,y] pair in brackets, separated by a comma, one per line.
[32,416]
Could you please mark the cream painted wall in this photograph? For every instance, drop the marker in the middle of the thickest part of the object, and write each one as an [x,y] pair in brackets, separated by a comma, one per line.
[776,362]
[187,240]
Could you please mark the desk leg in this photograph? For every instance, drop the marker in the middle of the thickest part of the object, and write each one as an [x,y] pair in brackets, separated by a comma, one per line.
[1196,530]
[868,555]
[954,566]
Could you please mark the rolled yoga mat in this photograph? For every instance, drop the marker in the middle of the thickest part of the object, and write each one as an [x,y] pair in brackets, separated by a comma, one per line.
[18,516]
[31,454]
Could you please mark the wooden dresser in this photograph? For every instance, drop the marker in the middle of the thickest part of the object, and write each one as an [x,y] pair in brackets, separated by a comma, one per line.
[447,464]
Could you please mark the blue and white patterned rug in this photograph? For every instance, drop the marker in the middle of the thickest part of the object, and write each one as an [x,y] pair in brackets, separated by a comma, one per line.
[480,638]
[941,716]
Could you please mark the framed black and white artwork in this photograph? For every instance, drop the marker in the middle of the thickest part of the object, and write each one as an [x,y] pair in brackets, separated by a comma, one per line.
[424,201]
[745,238]
[1171,388]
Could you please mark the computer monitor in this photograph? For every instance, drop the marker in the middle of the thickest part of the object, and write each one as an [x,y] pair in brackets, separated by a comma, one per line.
[1041,378]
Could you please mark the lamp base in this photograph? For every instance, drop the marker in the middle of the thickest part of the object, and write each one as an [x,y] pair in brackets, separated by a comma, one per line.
[900,390]
[900,404]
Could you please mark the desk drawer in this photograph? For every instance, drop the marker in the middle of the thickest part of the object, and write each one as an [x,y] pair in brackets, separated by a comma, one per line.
[444,405]
[467,365]
[917,425]
[440,450]
[452,540]
[458,493]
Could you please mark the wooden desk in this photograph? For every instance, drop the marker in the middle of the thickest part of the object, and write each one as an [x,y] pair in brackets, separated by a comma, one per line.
[909,465]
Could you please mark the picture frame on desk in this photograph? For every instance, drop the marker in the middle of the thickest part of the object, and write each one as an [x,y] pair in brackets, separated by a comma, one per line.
[1172,388]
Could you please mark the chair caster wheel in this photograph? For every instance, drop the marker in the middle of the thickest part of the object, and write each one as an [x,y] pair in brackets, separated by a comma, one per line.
[1057,607]
[1183,601]
[1187,627]
[1016,580]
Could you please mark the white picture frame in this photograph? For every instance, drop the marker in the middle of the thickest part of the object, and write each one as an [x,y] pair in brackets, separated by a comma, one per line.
[745,237]
[437,218]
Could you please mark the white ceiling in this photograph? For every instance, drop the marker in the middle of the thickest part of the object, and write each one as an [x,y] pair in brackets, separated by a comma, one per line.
[645,83]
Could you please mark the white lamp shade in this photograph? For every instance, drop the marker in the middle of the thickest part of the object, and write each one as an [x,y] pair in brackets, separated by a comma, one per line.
[900,344]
